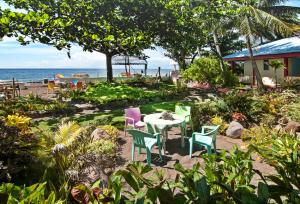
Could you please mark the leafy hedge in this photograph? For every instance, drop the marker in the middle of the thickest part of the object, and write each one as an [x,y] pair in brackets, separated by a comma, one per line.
[104,93]
[249,108]
[34,106]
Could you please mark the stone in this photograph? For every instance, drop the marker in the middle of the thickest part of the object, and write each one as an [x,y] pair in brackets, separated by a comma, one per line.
[278,127]
[292,127]
[99,134]
[234,130]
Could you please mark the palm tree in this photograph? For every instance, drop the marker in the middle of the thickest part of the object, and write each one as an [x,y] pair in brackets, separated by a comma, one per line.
[255,14]
[276,65]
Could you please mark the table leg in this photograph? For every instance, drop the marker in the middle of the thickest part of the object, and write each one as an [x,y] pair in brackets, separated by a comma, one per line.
[164,140]
[182,136]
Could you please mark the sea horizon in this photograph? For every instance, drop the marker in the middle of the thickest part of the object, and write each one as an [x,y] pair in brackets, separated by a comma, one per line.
[39,74]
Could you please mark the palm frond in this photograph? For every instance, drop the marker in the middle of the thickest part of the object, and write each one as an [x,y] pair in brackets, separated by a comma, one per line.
[245,27]
[281,10]
[271,22]
[267,3]
[67,133]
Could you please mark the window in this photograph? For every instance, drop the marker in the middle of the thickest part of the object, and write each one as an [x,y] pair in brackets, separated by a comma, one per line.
[266,65]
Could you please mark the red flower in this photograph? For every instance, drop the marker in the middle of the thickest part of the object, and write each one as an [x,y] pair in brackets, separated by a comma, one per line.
[238,117]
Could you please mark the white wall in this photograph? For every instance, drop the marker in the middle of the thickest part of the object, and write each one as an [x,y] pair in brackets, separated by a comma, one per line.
[248,72]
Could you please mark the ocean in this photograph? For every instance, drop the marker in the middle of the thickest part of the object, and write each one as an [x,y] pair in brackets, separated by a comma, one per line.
[33,75]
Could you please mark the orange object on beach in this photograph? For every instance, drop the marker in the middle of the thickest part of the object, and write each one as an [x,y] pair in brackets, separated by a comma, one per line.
[79,85]
[59,76]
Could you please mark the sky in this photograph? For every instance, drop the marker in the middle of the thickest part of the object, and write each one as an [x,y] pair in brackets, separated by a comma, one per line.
[14,55]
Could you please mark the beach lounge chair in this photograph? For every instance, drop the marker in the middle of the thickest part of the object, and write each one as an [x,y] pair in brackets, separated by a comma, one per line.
[185,111]
[207,138]
[143,140]
[133,118]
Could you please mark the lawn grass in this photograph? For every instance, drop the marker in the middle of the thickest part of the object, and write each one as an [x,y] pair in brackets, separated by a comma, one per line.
[112,117]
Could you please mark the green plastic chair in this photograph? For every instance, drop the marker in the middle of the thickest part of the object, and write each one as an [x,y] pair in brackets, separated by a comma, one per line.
[206,138]
[144,140]
[185,111]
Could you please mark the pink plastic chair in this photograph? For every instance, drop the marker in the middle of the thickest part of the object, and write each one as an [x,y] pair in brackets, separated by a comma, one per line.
[133,118]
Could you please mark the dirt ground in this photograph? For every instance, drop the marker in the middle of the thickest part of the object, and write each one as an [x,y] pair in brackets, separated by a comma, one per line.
[176,154]
[36,89]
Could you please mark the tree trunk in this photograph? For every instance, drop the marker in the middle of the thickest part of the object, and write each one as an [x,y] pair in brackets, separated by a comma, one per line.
[181,61]
[260,84]
[109,70]
[275,70]
[219,53]
[216,41]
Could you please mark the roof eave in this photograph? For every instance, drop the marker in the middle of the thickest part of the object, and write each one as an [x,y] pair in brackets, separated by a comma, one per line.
[261,57]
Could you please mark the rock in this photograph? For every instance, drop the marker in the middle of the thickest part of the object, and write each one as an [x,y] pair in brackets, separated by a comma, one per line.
[283,121]
[99,134]
[234,130]
[278,127]
[292,127]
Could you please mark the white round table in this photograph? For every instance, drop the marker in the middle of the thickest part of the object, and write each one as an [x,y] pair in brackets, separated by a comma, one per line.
[163,125]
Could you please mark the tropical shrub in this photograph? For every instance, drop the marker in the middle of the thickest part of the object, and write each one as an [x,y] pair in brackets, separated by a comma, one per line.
[291,110]
[18,150]
[207,70]
[230,173]
[76,152]
[216,120]
[202,112]
[34,106]
[281,151]
[19,121]
[104,93]
[35,194]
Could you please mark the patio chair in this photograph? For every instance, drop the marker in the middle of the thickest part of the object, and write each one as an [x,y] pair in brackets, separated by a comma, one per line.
[143,140]
[52,87]
[206,138]
[152,129]
[185,111]
[79,85]
[133,118]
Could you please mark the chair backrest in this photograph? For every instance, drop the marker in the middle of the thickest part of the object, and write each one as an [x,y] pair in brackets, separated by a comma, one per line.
[152,129]
[139,137]
[79,85]
[72,86]
[134,113]
[212,131]
[183,111]
[51,85]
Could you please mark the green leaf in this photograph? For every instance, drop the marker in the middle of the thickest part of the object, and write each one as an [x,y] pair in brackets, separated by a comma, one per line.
[263,192]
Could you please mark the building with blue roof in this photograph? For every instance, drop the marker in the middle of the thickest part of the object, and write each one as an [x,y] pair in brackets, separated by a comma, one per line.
[286,50]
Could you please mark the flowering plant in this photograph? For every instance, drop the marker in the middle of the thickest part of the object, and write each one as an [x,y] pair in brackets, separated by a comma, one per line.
[238,117]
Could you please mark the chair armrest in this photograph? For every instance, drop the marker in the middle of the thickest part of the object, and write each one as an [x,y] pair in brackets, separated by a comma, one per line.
[202,133]
[131,119]
[142,117]
[188,116]
[206,127]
